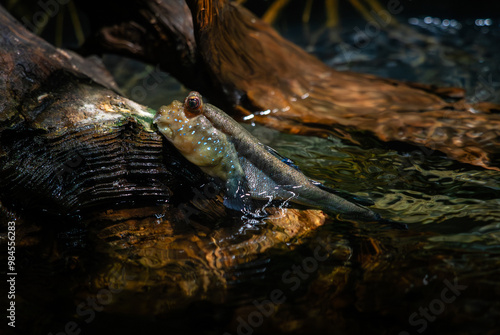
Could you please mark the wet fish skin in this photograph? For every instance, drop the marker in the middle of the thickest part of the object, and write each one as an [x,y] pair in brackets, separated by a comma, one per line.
[244,163]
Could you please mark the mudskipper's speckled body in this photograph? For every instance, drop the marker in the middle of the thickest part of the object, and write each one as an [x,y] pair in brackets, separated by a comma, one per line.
[222,148]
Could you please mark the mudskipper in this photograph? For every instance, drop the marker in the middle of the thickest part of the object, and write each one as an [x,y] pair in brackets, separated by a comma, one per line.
[223,149]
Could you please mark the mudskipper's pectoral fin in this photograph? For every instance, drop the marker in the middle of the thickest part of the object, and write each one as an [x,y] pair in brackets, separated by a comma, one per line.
[236,193]
[350,197]
[238,197]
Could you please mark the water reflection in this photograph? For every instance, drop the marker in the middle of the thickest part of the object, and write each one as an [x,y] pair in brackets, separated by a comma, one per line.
[298,273]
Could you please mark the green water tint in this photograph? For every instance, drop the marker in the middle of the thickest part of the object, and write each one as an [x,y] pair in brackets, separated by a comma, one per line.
[421,186]
[453,212]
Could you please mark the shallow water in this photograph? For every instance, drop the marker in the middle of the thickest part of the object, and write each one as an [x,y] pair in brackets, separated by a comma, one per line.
[313,275]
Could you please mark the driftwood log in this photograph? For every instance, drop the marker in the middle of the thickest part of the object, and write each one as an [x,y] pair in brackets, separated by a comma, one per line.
[242,64]
[67,138]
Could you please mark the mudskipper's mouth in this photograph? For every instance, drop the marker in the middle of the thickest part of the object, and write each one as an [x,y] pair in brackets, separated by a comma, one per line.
[163,127]
[167,132]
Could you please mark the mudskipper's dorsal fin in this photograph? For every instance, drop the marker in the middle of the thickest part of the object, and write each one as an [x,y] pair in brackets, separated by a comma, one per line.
[282,158]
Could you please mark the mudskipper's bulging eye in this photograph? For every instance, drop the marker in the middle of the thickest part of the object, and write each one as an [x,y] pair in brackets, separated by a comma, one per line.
[193,103]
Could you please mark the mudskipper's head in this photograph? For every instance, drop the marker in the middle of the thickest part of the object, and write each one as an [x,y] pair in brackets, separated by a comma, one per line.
[172,119]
